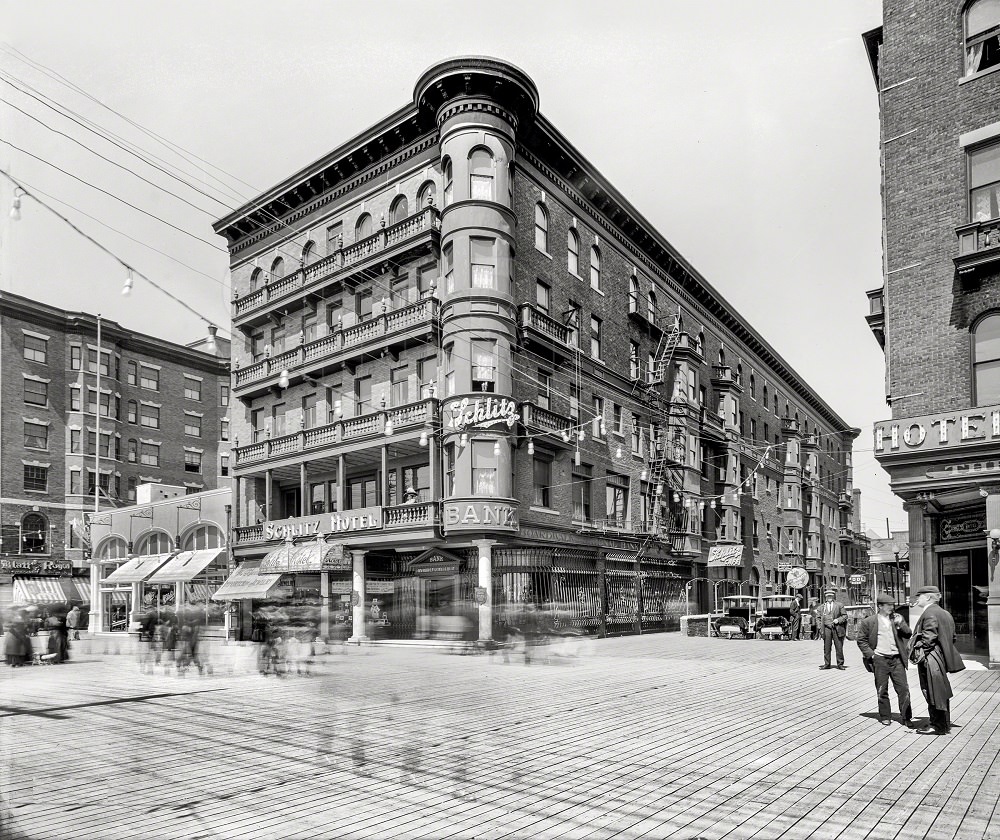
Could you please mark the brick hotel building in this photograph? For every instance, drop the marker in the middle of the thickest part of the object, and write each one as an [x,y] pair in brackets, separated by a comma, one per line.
[937,313]
[468,371]
[163,418]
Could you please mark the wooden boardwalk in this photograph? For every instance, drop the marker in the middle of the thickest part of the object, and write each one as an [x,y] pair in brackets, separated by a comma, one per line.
[640,737]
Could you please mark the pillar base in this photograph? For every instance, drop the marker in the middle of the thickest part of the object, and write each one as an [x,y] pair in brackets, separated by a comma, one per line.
[357,640]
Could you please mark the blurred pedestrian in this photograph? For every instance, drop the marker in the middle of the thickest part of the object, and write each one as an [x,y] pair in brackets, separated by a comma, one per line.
[73,623]
[882,640]
[933,651]
[795,619]
[834,621]
[16,643]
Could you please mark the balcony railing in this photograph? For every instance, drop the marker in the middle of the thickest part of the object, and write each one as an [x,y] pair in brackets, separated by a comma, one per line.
[342,430]
[533,318]
[340,261]
[397,517]
[978,245]
[845,500]
[605,525]
[544,420]
[342,343]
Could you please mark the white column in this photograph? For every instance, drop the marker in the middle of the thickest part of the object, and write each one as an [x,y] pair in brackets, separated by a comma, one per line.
[359,634]
[993,562]
[485,549]
[96,624]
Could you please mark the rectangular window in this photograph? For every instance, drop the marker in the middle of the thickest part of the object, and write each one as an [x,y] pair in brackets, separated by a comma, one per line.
[543,295]
[92,403]
[105,484]
[130,485]
[192,462]
[36,349]
[36,435]
[224,394]
[984,183]
[362,395]
[542,482]
[75,483]
[616,509]
[224,429]
[416,479]
[132,373]
[334,236]
[448,256]
[573,318]
[149,416]
[481,187]
[581,493]
[574,402]
[310,328]
[149,378]
[595,337]
[484,468]
[362,492]
[363,305]
[35,392]
[618,419]
[75,357]
[75,441]
[484,365]
[132,448]
[310,411]
[636,435]
[544,389]
[192,425]
[36,478]
[105,362]
[192,389]
[399,386]
[449,469]
[483,263]
[599,426]
[149,454]
[633,360]
[427,371]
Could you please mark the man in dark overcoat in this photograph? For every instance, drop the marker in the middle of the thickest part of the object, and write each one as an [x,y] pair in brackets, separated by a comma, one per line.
[833,619]
[933,650]
[882,639]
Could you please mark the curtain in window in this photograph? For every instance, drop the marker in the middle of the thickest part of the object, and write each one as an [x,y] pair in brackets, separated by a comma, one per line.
[973,55]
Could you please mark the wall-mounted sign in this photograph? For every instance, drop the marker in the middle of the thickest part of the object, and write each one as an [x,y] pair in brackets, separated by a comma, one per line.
[955,564]
[475,516]
[958,471]
[967,526]
[481,413]
[360,519]
[725,555]
[436,569]
[23,565]
[378,587]
[480,595]
[857,580]
[935,432]
[784,567]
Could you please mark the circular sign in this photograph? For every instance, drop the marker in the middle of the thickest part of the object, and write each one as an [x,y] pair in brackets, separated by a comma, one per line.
[797,578]
[480,595]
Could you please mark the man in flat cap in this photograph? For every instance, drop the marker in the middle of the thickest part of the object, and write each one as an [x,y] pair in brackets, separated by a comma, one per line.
[882,639]
[932,649]
[834,623]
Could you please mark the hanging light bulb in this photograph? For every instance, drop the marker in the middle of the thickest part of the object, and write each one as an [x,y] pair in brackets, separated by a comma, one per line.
[604,428]
[677,497]
[713,504]
[496,449]
[582,435]
[338,409]
[15,206]
[283,379]
[644,475]
[659,489]
[423,438]
[463,440]
[565,436]
[618,451]
[129,281]
[388,427]
[577,458]
[211,346]
[531,447]
[701,507]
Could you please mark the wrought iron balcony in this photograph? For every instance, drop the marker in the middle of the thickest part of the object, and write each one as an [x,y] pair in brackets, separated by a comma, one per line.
[330,435]
[552,332]
[343,262]
[391,328]
[978,246]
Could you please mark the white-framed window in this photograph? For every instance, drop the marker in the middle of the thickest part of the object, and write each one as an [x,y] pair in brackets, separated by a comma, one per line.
[596,326]
[149,454]
[986,359]
[481,175]
[149,378]
[483,262]
[543,295]
[36,392]
[541,470]
[541,228]
[595,268]
[484,468]
[448,258]
[573,252]
[633,294]
[449,183]
[149,416]
[192,389]
[36,479]
[616,501]
[36,435]
[982,36]
[192,461]
[484,355]
[192,425]
[984,182]
[36,349]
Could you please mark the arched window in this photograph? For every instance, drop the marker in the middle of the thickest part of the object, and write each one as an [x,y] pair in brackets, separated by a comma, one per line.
[113,548]
[764,392]
[133,451]
[133,373]
[573,252]
[651,306]
[753,387]
[633,294]
[481,175]
[541,228]
[739,374]
[203,536]
[278,269]
[982,36]
[400,210]
[34,534]
[133,412]
[256,280]
[722,357]
[986,360]
[699,343]
[309,252]
[595,268]
[426,196]
[156,542]
[364,227]
[449,183]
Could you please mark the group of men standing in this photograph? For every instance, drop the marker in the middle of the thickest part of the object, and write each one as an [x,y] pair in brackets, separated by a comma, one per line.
[888,645]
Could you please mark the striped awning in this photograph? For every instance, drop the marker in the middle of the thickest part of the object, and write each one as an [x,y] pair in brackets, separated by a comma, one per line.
[42,590]
[186,566]
[83,589]
[198,593]
[137,569]
[245,583]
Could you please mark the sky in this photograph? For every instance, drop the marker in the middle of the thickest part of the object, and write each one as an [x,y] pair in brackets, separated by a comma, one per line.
[745,132]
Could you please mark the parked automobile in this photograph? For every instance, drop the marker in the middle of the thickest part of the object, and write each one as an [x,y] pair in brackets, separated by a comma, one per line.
[775,619]
[739,614]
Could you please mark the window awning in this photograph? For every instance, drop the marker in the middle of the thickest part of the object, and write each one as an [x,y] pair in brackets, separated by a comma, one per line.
[246,583]
[137,569]
[198,593]
[42,590]
[186,566]
[83,589]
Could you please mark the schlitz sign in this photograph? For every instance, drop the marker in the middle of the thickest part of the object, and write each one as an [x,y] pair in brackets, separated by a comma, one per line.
[482,412]
[362,519]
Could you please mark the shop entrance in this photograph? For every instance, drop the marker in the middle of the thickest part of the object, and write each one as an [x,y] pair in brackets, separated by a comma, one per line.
[964,586]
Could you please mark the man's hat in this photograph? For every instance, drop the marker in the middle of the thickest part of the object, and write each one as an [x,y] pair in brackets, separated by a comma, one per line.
[928,590]
[885,599]
[831,592]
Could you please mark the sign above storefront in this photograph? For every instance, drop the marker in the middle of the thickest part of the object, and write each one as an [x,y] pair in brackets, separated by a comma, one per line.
[935,432]
[437,570]
[857,580]
[481,413]
[725,555]
[961,528]
[22,565]
[360,519]
[476,516]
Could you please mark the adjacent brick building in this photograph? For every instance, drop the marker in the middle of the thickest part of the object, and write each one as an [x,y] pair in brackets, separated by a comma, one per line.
[937,314]
[469,370]
[163,418]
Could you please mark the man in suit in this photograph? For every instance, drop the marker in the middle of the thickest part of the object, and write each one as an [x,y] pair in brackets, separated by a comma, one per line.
[882,639]
[795,619]
[834,623]
[933,650]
